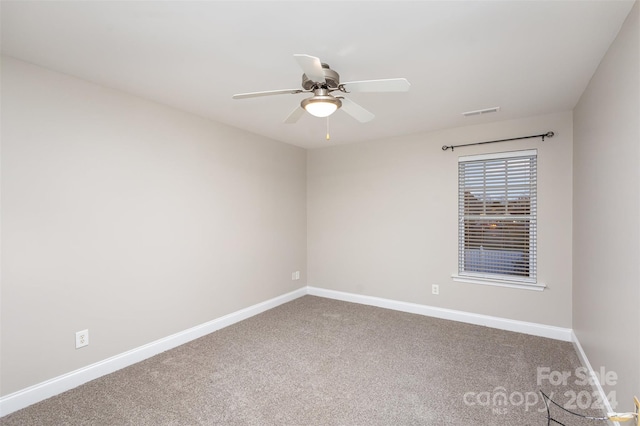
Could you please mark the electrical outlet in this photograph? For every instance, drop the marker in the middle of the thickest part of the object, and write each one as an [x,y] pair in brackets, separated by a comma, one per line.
[435,289]
[82,338]
[297,275]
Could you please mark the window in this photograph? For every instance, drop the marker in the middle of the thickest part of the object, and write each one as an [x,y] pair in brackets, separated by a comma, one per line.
[497,217]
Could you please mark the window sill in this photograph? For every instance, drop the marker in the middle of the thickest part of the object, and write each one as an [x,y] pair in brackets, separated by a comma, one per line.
[496,283]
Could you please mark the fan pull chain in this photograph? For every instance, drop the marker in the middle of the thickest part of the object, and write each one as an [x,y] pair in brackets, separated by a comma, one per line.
[328,137]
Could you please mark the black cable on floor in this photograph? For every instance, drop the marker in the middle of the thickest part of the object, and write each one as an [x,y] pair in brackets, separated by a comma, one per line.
[550,419]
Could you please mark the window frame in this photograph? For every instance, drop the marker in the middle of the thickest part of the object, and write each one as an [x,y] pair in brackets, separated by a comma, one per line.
[500,279]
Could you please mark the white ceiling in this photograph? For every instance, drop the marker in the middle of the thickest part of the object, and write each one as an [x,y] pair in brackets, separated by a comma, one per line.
[527,57]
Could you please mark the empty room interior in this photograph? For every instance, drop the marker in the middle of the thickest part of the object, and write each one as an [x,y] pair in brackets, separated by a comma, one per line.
[301,213]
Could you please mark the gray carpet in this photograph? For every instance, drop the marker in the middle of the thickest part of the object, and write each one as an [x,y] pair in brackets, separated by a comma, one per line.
[317,361]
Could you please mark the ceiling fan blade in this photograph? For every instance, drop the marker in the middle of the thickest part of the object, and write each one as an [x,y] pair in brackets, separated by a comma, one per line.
[311,66]
[266,93]
[295,115]
[386,85]
[356,111]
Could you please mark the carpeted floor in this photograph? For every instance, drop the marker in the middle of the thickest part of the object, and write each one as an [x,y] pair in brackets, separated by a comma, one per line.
[317,361]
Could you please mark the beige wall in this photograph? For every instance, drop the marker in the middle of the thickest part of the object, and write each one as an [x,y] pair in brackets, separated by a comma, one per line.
[382,219]
[133,220]
[606,291]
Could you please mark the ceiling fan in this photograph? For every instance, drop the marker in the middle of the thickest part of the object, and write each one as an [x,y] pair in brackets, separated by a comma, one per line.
[322,81]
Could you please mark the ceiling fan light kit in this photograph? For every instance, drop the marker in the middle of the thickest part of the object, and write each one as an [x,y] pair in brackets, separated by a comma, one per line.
[322,104]
[318,78]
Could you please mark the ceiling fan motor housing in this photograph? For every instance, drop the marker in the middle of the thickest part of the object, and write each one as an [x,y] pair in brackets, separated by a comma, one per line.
[332,79]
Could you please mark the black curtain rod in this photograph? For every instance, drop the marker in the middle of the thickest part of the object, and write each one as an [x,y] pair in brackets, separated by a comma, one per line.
[544,135]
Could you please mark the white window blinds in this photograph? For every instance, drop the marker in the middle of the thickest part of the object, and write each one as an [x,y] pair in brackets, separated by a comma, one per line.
[497,216]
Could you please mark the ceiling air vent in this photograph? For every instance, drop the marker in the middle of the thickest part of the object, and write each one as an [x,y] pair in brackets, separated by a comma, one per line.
[481,111]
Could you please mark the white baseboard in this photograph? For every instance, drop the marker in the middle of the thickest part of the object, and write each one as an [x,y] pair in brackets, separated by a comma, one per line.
[595,379]
[552,332]
[41,391]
